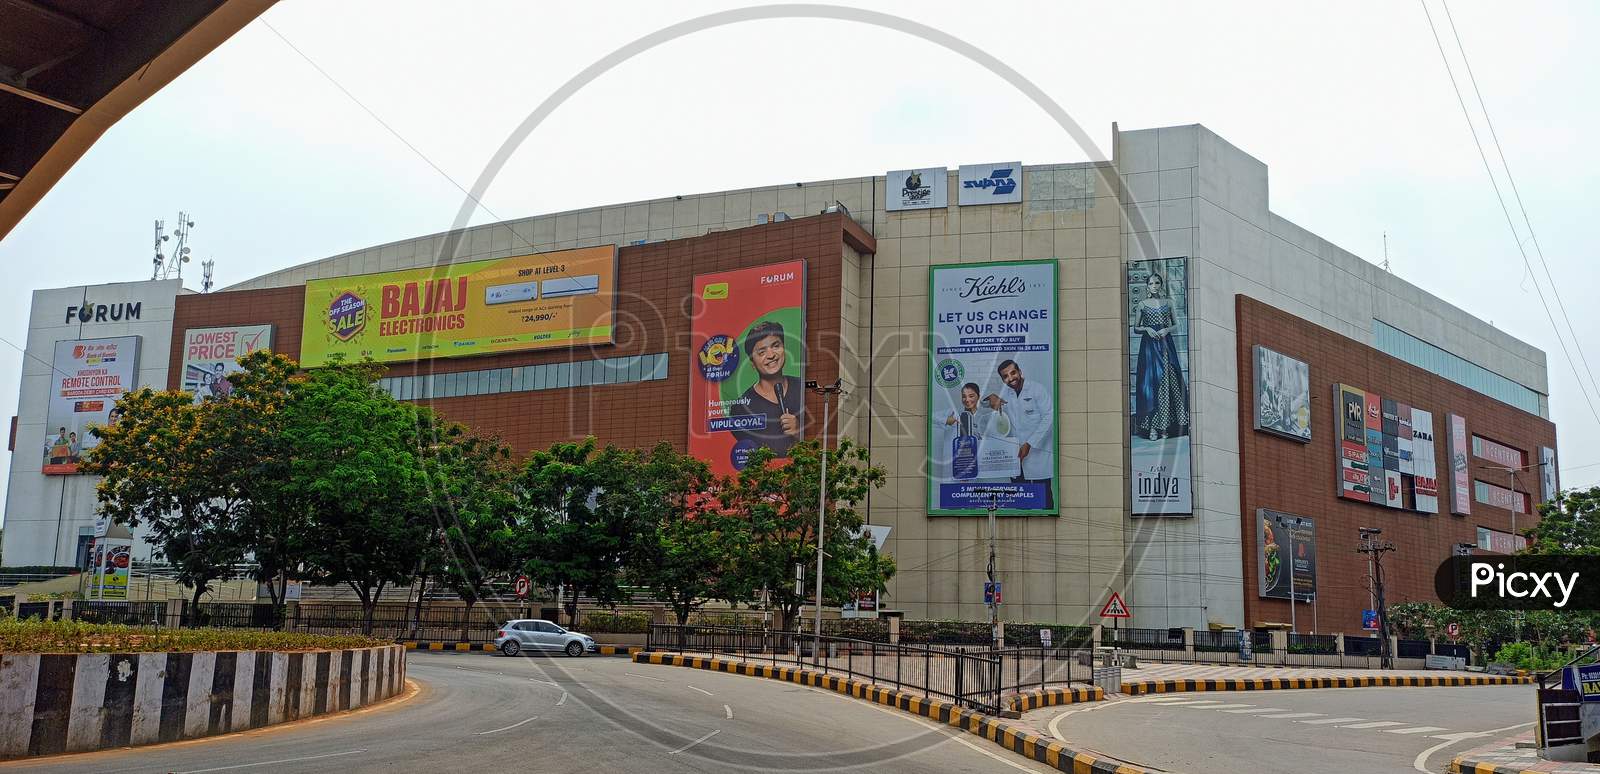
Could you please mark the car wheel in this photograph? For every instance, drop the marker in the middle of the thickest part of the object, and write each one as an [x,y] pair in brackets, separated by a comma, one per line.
[511,647]
[574,649]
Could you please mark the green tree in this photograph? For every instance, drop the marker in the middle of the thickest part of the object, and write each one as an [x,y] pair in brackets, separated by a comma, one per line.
[1414,620]
[579,513]
[356,458]
[471,481]
[780,504]
[1568,524]
[688,550]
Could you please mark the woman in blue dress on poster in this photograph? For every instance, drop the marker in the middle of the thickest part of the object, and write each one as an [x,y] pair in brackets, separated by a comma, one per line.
[1161,407]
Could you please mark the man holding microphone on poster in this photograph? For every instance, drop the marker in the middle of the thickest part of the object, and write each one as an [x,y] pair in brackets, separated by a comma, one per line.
[1031,412]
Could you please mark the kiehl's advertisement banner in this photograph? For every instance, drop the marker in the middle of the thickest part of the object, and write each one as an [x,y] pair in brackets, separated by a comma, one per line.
[917,189]
[747,386]
[1159,411]
[1286,555]
[211,354]
[992,390]
[87,378]
[560,299]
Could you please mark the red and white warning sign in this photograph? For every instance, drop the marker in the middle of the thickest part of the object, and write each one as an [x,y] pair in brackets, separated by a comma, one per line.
[523,586]
[1115,608]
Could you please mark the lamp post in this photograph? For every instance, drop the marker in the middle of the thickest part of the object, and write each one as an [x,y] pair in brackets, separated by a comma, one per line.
[827,392]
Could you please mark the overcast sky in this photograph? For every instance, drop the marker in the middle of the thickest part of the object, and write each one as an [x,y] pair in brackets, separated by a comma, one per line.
[1348,104]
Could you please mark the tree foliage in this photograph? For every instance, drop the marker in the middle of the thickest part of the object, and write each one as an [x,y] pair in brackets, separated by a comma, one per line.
[1568,524]
[689,547]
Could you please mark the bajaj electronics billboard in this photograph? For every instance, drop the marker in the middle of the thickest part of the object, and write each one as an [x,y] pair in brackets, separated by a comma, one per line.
[747,386]
[917,189]
[992,390]
[211,354]
[1386,452]
[1286,555]
[560,299]
[1158,401]
[86,379]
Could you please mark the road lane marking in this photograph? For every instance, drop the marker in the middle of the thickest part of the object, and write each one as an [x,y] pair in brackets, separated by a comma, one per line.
[1255,711]
[1421,761]
[702,690]
[275,763]
[508,728]
[728,711]
[1157,699]
[1328,720]
[1415,730]
[695,742]
[1225,706]
[642,677]
[563,699]
[1375,724]
[937,728]
[1189,703]
[1289,715]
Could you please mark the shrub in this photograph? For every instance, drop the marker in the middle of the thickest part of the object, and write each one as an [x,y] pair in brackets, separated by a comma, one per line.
[624,622]
[35,636]
[1531,657]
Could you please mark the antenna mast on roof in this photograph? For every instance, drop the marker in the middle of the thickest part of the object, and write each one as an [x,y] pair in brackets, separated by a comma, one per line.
[1386,251]
[168,267]
[206,266]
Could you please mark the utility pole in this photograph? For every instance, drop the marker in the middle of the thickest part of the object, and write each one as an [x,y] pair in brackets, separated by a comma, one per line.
[1375,549]
[994,602]
[827,392]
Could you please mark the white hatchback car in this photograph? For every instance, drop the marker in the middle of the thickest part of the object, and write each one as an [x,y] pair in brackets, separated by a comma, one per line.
[538,634]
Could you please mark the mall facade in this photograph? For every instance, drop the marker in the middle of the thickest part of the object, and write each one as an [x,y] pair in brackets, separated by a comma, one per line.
[1168,391]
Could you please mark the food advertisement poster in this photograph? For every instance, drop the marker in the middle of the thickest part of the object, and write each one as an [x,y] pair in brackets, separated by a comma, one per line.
[992,388]
[558,299]
[747,382]
[1286,553]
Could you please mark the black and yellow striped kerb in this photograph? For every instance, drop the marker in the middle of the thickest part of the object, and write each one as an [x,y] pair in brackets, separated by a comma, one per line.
[487,647]
[1285,683]
[1050,697]
[1046,751]
[1465,765]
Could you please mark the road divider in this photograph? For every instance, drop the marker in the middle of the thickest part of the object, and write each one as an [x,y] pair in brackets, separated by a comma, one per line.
[622,651]
[1288,683]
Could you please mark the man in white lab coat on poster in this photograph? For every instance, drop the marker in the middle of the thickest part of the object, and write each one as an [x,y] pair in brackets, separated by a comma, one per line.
[1032,414]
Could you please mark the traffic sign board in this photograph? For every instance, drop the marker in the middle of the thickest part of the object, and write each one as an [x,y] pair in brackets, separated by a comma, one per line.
[523,586]
[1115,608]
[1454,630]
[991,593]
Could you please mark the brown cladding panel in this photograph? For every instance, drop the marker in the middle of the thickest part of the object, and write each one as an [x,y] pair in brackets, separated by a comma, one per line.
[654,283]
[1303,479]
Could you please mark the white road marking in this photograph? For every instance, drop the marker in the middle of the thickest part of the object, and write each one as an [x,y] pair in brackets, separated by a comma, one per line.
[562,700]
[508,728]
[1421,762]
[727,710]
[1375,724]
[1157,699]
[275,763]
[1190,702]
[1255,711]
[1328,720]
[1288,715]
[1225,706]
[695,742]
[941,729]
[702,690]
[1414,730]
[546,682]
[642,677]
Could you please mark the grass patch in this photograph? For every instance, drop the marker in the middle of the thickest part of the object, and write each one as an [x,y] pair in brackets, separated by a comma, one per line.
[35,636]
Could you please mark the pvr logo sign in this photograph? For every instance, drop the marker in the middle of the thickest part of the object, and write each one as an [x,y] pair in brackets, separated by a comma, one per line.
[1000,181]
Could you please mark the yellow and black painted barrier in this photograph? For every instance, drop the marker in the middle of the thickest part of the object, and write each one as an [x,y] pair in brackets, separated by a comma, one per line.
[1047,751]
[488,647]
[1286,683]
[1050,697]
[1464,764]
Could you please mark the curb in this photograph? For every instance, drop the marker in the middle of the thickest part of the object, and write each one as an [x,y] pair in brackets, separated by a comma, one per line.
[623,651]
[1031,746]
[1286,683]
[1461,764]
[1050,697]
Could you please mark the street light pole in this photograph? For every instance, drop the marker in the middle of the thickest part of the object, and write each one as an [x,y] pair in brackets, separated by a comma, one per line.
[827,392]
[994,602]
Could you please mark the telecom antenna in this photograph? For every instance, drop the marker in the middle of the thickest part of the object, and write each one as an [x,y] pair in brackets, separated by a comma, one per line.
[169,267]
[1386,251]
[205,274]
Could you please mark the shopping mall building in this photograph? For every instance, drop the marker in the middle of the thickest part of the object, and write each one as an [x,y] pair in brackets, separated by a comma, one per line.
[1167,390]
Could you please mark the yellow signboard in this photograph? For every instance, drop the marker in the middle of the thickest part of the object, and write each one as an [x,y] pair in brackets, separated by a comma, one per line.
[560,299]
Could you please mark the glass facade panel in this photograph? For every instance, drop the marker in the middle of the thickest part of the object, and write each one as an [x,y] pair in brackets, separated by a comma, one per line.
[1398,343]
[550,376]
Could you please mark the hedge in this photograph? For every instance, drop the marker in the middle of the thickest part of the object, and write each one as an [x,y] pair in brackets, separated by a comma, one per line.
[34,636]
[627,622]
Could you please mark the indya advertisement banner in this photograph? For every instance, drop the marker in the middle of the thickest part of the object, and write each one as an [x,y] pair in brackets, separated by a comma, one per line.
[559,299]
[87,378]
[1159,413]
[211,354]
[747,343]
[992,388]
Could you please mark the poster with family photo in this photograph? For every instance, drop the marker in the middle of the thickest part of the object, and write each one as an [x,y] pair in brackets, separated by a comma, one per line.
[1283,395]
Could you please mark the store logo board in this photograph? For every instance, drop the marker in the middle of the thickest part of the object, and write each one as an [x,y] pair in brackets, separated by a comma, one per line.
[990,184]
[87,378]
[747,346]
[1425,471]
[1282,395]
[1460,478]
[917,189]
[1286,555]
[1385,451]
[541,301]
[992,392]
[210,355]
[1159,412]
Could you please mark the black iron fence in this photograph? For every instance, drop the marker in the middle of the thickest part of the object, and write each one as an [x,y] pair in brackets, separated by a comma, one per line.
[116,612]
[1412,648]
[1143,639]
[1362,646]
[1318,644]
[1216,642]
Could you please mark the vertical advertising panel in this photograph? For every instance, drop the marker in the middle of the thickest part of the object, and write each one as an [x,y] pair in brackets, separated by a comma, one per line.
[917,189]
[113,558]
[992,390]
[1351,407]
[1460,481]
[1547,474]
[1159,410]
[1286,555]
[211,354]
[1425,472]
[87,378]
[1283,395]
[747,387]
[1379,491]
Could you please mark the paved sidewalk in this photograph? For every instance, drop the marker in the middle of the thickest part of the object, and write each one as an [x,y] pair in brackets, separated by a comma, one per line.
[1505,757]
[1153,671]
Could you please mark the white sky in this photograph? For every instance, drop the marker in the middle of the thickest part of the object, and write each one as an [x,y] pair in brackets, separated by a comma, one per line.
[1349,106]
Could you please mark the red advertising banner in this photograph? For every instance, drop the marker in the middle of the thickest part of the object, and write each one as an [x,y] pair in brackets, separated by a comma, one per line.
[747,386]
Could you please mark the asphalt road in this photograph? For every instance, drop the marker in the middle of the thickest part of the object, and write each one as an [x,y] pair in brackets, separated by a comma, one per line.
[1336,729]
[483,713]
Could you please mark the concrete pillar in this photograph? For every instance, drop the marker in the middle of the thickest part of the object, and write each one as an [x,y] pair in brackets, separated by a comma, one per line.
[1094,636]
[66,609]
[1394,646]
[291,613]
[1280,641]
[1338,643]
[894,630]
[1188,639]
[174,614]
